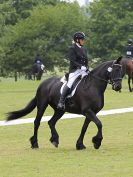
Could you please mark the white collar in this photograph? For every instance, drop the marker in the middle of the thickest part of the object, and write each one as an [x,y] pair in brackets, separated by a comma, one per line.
[78,45]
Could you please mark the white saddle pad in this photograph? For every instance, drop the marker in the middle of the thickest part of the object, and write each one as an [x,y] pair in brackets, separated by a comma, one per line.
[73,91]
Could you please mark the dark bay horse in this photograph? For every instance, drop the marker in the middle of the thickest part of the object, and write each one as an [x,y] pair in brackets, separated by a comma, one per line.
[127,64]
[37,71]
[88,101]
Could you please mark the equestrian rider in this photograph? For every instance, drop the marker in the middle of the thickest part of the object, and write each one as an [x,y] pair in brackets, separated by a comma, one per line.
[129,49]
[78,65]
[38,61]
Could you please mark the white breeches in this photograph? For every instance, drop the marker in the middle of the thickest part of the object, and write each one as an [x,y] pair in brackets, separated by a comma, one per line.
[74,75]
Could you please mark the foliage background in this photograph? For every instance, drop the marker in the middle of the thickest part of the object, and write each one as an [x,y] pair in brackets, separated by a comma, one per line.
[46,27]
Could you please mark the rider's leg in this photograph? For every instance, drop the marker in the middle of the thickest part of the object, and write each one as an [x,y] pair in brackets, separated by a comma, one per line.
[66,89]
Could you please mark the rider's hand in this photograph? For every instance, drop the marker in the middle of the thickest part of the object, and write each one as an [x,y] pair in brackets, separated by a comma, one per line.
[83,68]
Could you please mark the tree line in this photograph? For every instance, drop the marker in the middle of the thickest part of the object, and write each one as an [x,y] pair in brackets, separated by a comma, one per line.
[46,27]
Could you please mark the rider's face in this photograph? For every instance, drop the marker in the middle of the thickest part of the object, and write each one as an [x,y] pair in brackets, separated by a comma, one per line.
[81,41]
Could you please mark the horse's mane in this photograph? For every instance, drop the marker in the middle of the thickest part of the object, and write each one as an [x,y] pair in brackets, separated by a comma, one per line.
[103,65]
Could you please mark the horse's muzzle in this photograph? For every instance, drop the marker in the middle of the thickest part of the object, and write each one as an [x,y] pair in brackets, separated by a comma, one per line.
[116,86]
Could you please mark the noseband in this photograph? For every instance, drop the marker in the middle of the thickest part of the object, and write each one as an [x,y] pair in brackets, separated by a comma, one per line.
[113,79]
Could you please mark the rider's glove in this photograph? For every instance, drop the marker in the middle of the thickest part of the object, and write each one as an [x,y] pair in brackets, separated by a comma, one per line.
[83,68]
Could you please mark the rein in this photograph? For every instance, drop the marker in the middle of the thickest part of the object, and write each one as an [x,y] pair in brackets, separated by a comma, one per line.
[98,78]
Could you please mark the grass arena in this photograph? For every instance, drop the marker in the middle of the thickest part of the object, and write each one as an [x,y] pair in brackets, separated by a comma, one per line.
[17,159]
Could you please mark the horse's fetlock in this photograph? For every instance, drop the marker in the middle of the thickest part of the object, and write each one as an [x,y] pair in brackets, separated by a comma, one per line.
[50,123]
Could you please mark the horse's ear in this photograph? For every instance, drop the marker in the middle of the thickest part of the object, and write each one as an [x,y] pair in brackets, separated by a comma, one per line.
[118,60]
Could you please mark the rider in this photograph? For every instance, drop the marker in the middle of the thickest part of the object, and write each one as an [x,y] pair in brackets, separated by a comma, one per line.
[129,49]
[78,65]
[38,61]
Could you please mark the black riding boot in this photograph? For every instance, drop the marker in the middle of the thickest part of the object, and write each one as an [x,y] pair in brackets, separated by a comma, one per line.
[61,104]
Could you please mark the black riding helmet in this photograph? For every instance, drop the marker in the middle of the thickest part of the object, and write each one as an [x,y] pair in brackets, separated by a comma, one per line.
[78,35]
[130,41]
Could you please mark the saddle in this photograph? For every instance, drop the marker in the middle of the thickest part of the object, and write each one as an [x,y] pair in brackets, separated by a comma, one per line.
[64,80]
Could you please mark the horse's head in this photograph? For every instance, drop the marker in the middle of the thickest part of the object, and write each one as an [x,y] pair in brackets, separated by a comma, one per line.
[115,74]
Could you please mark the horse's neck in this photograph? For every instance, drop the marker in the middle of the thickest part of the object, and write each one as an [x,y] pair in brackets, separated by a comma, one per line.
[101,71]
[100,76]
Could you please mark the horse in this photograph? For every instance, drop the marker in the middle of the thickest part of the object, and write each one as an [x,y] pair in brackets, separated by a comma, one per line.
[37,71]
[88,100]
[127,64]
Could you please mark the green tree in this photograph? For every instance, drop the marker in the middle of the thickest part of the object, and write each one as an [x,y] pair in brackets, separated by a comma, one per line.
[110,25]
[48,31]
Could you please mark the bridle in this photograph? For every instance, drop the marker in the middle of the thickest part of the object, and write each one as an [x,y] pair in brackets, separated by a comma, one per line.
[111,79]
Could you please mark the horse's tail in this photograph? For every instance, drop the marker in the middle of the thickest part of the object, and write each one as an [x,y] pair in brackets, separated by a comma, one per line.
[17,114]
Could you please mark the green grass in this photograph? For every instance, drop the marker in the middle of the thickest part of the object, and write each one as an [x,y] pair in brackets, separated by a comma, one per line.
[113,159]
[115,100]
[16,95]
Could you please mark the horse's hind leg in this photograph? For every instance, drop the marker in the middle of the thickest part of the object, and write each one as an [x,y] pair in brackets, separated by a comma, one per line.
[40,111]
[54,135]
[129,78]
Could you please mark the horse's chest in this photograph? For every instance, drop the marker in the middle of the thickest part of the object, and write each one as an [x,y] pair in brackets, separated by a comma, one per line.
[82,106]
[94,102]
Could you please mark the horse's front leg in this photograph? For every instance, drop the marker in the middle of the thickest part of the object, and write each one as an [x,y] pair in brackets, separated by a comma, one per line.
[79,144]
[98,138]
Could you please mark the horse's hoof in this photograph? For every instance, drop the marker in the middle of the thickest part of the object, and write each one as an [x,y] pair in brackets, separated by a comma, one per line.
[96,146]
[80,146]
[54,142]
[96,142]
[34,144]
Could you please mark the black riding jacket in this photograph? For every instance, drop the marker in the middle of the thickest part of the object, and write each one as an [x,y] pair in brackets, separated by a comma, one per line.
[77,57]
[129,51]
